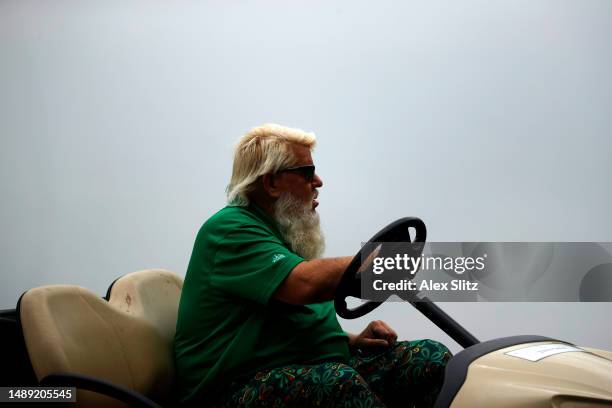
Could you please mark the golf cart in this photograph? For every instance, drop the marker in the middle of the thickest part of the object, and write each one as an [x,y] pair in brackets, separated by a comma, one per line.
[518,371]
[117,350]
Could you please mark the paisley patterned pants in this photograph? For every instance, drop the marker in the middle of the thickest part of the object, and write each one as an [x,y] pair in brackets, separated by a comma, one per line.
[408,374]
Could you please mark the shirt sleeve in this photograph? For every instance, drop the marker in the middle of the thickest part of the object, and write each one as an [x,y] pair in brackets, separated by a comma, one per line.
[251,262]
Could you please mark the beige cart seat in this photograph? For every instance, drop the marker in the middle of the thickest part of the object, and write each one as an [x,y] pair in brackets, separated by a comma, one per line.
[126,340]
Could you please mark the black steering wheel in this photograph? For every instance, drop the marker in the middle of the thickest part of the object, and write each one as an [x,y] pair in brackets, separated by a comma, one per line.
[350,284]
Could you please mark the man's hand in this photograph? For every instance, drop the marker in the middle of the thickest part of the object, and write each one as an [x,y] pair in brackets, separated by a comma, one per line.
[376,335]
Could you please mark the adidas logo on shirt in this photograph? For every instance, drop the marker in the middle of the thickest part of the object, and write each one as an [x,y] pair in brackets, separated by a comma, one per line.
[277,257]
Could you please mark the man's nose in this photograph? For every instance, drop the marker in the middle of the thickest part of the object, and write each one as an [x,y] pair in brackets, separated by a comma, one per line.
[316,181]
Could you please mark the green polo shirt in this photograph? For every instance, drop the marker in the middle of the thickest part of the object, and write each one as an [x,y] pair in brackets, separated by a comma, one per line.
[228,324]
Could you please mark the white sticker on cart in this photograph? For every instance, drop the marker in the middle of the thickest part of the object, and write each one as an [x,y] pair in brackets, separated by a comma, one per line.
[536,353]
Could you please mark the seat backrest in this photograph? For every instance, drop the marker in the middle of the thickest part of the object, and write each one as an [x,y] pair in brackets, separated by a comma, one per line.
[126,340]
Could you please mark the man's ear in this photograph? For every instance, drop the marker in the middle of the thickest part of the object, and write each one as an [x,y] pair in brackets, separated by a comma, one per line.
[270,185]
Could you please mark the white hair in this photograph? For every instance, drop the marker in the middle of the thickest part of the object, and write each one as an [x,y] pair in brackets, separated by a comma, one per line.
[262,150]
[300,226]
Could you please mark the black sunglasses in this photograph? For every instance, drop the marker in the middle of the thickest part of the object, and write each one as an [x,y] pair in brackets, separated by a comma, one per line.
[307,171]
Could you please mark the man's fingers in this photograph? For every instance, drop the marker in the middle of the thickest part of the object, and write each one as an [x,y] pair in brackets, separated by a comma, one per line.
[374,343]
[370,259]
[391,334]
[382,330]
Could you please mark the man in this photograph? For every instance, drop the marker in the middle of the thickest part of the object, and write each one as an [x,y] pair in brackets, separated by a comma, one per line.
[256,325]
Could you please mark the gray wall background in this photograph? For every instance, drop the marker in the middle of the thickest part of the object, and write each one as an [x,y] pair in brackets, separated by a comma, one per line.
[490,120]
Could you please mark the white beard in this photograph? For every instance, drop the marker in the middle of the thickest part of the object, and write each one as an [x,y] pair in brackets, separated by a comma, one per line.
[300,226]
